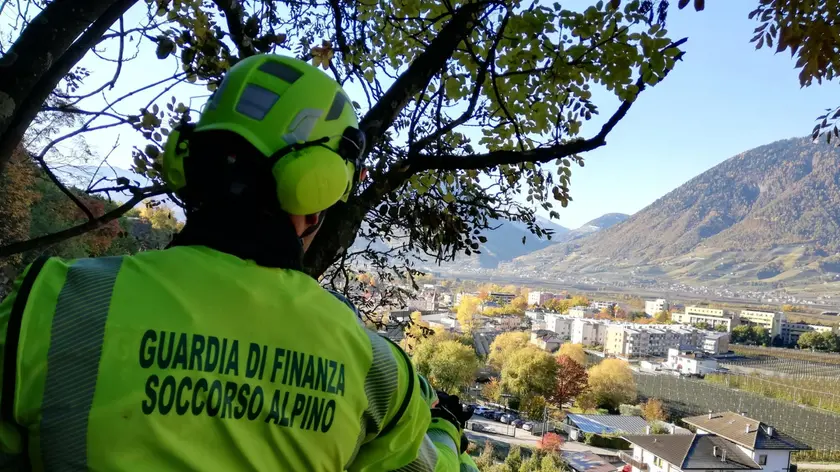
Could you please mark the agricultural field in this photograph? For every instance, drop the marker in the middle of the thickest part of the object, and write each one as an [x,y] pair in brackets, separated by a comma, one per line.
[683,397]
[782,367]
[793,354]
[823,393]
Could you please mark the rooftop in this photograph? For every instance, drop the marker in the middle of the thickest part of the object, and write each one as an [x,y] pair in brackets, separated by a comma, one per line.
[695,451]
[745,431]
[585,461]
[608,424]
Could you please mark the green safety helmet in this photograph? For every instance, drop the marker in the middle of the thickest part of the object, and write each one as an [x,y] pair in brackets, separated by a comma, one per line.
[295,115]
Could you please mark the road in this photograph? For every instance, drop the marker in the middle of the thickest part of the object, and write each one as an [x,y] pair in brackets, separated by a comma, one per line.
[524,438]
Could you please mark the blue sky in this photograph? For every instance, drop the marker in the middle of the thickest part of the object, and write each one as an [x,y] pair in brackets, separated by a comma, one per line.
[724,98]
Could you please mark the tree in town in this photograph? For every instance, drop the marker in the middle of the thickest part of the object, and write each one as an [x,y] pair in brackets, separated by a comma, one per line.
[529,371]
[586,401]
[486,460]
[503,347]
[721,328]
[557,305]
[759,335]
[449,365]
[552,462]
[513,461]
[829,341]
[415,332]
[467,311]
[492,390]
[741,334]
[519,304]
[550,442]
[619,313]
[612,383]
[573,351]
[663,317]
[653,410]
[572,380]
[533,407]
[579,300]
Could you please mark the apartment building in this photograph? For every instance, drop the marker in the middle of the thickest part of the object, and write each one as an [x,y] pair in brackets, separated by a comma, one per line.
[559,324]
[602,305]
[659,342]
[538,298]
[627,342]
[579,312]
[712,316]
[588,332]
[790,332]
[772,321]
[690,362]
[501,298]
[715,343]
[654,307]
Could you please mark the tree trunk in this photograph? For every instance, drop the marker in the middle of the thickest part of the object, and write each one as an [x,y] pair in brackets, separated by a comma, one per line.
[43,54]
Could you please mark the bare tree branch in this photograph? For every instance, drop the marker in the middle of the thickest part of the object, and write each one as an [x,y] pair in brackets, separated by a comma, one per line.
[78,230]
[31,79]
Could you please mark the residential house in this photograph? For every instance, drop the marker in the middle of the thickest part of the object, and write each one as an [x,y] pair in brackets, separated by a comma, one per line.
[654,307]
[588,332]
[769,448]
[601,305]
[790,332]
[539,298]
[560,324]
[546,340]
[771,321]
[690,362]
[576,425]
[685,452]
[715,343]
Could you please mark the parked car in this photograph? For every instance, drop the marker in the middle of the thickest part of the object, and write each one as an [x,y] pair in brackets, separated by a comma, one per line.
[481,411]
[507,418]
[528,426]
[495,415]
[517,423]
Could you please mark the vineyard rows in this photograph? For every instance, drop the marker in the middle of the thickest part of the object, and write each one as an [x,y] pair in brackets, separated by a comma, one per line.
[784,366]
[686,397]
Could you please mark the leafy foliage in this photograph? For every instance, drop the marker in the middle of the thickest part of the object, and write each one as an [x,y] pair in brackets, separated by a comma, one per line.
[611,382]
[504,346]
[467,311]
[529,371]
[653,410]
[825,341]
[572,380]
[449,365]
[573,351]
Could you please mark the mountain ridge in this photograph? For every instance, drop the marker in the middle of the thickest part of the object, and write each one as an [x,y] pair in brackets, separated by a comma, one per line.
[770,214]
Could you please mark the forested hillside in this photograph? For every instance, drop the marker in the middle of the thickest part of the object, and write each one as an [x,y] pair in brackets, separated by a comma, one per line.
[32,206]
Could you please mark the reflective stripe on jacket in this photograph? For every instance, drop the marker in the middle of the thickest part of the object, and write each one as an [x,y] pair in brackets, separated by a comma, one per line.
[192,359]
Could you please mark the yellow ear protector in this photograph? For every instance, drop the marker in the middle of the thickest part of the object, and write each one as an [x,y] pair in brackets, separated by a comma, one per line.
[310,177]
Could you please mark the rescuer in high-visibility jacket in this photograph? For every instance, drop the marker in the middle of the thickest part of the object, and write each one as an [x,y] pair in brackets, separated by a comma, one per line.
[220,353]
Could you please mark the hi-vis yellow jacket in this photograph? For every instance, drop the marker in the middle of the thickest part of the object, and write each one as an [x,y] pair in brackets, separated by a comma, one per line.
[191,359]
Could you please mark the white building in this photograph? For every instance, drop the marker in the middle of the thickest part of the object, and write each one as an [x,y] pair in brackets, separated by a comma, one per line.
[790,332]
[602,305]
[627,342]
[654,307]
[711,316]
[538,298]
[559,324]
[546,340]
[771,321]
[715,343]
[588,332]
[690,362]
[724,442]
[579,312]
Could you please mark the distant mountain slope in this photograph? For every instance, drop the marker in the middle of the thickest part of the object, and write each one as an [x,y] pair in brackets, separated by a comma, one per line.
[601,223]
[771,213]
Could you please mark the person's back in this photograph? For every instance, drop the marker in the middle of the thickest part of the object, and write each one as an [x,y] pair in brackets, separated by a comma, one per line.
[218,353]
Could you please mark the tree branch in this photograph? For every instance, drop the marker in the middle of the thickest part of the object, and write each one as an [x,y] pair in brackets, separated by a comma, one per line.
[34,96]
[78,230]
[419,73]
[468,113]
[233,15]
